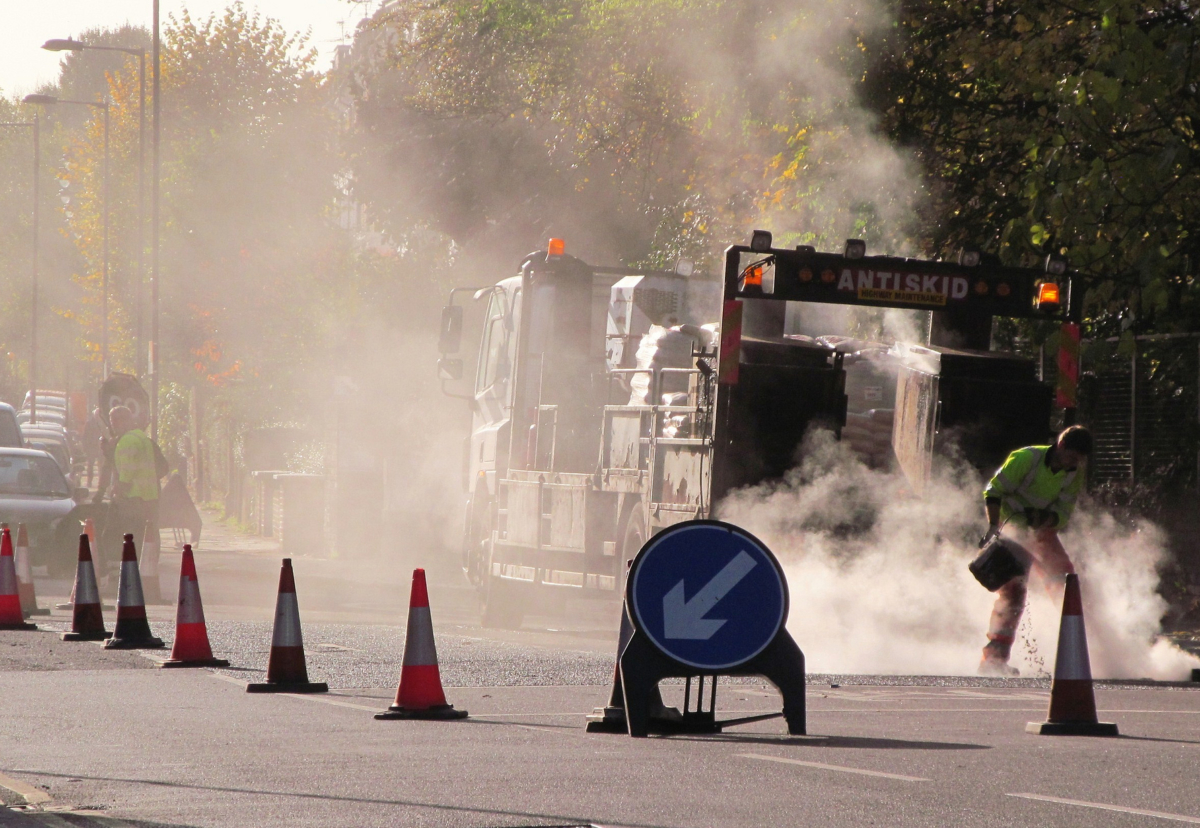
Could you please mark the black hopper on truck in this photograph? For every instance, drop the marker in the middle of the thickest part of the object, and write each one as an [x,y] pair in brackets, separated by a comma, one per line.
[952,388]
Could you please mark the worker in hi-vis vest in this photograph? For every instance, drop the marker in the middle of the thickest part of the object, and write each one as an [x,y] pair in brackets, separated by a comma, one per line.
[135,483]
[1035,490]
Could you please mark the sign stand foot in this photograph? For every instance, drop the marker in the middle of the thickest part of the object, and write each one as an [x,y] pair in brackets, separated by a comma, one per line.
[643,666]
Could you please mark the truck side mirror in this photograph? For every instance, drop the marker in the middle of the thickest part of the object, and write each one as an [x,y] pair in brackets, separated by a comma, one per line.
[450,337]
[450,369]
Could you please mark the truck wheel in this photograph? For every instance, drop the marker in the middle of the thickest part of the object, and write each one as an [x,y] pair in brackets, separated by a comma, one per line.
[500,603]
[631,544]
[475,542]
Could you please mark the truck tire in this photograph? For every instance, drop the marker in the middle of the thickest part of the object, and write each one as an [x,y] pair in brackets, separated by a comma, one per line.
[632,541]
[476,532]
[500,604]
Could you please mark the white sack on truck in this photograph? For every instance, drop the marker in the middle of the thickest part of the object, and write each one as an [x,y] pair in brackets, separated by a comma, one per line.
[665,348]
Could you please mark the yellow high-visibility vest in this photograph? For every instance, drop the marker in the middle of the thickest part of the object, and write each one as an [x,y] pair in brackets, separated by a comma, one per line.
[1026,480]
[133,460]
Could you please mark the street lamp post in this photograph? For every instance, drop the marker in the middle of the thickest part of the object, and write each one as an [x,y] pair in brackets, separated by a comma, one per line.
[154,237]
[50,100]
[67,45]
[36,127]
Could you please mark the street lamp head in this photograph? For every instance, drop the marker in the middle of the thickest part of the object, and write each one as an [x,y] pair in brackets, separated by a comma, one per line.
[62,45]
[43,100]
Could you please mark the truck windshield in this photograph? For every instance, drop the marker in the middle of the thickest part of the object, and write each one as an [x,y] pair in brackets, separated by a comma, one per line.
[27,475]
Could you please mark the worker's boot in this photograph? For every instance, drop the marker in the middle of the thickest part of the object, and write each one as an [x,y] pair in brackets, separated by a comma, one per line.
[995,659]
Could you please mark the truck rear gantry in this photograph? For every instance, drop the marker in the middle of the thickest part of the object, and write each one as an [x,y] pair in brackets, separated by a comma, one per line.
[568,474]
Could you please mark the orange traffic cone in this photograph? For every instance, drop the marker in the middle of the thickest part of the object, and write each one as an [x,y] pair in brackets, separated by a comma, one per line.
[1072,701]
[87,622]
[420,694]
[191,647]
[25,575]
[151,586]
[11,617]
[132,630]
[286,670]
[89,529]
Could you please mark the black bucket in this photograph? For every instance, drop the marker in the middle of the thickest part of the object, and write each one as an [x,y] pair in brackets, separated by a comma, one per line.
[999,562]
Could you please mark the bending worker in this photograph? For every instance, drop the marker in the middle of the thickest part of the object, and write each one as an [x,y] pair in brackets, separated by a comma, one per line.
[1035,490]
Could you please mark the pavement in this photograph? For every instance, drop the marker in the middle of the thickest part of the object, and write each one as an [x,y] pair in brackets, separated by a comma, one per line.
[95,737]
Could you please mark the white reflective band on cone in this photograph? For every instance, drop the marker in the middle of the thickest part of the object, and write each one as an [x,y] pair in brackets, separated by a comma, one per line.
[24,573]
[419,647]
[85,584]
[1072,661]
[287,622]
[131,586]
[150,553]
[190,610]
[8,576]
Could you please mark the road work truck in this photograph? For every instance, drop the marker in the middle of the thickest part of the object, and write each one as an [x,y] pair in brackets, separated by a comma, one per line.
[604,409]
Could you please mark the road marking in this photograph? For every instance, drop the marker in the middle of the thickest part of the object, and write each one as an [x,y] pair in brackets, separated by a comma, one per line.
[31,795]
[856,710]
[839,768]
[333,702]
[1103,807]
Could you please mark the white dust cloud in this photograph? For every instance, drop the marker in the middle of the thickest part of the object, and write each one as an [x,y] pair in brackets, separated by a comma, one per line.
[879,582]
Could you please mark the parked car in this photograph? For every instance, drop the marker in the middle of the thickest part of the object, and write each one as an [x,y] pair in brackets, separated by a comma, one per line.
[10,432]
[56,399]
[34,491]
[44,415]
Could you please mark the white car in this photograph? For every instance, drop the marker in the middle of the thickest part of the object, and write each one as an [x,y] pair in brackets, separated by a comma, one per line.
[34,491]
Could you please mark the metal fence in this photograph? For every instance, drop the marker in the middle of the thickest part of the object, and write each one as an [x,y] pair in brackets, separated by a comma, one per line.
[1141,398]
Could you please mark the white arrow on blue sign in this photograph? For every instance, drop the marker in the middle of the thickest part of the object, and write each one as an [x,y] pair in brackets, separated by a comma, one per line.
[708,594]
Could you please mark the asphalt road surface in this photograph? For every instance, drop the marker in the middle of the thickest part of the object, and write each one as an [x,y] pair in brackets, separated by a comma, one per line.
[95,737]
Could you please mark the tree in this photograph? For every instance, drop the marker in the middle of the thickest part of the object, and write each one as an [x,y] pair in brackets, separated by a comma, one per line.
[644,129]
[1044,126]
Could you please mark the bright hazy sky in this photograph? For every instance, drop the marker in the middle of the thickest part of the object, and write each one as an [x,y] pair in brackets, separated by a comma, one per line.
[26,24]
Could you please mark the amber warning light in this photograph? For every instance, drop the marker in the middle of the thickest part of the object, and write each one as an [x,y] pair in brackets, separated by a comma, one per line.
[557,247]
[1047,297]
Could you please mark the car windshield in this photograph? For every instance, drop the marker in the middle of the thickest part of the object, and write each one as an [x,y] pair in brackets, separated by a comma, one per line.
[31,475]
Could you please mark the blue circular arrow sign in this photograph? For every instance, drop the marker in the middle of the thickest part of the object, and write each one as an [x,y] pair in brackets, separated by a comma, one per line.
[708,594]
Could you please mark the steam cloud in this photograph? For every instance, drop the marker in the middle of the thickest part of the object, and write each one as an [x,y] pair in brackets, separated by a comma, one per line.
[879,582]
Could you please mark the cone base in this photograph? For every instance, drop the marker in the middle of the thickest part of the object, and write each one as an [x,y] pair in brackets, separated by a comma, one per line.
[437,712]
[1072,728]
[199,662]
[22,626]
[92,636]
[607,720]
[134,644]
[287,687]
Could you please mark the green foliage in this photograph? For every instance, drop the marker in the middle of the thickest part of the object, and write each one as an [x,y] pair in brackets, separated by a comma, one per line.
[1044,126]
[639,129]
